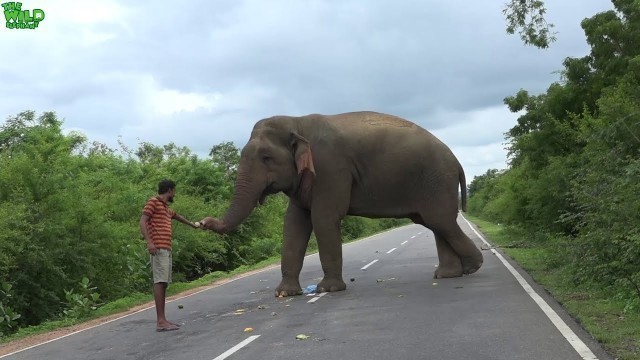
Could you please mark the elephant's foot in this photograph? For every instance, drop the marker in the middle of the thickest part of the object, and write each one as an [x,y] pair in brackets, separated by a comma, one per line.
[448,271]
[331,285]
[471,264]
[288,288]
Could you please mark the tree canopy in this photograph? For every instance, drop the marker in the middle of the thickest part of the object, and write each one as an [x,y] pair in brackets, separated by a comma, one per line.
[574,157]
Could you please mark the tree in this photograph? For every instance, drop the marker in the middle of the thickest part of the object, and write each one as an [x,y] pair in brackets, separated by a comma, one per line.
[527,17]
[227,156]
[574,155]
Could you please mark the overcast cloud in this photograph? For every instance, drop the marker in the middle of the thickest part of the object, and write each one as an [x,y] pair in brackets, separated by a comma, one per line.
[198,72]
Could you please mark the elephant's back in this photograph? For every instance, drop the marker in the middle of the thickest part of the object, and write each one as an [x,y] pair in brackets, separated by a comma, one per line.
[385,129]
[384,139]
[369,120]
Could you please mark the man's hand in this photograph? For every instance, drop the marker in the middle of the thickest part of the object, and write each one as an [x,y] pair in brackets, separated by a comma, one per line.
[152,248]
[211,223]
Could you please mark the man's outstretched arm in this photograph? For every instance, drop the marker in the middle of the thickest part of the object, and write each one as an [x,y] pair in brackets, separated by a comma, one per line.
[185,221]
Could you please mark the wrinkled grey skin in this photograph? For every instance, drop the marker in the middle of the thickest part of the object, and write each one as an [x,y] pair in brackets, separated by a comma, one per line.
[362,163]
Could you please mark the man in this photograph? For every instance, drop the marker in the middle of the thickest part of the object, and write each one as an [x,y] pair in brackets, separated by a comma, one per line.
[155,225]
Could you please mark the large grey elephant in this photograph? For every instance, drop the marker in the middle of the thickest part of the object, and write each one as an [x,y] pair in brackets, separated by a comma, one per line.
[360,163]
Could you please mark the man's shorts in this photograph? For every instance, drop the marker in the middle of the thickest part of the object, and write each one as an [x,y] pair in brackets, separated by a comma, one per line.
[161,266]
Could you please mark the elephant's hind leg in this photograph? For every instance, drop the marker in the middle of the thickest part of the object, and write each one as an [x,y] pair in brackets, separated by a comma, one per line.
[469,254]
[297,230]
[450,264]
[458,255]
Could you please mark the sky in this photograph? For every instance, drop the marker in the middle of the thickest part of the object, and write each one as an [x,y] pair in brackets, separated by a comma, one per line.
[198,73]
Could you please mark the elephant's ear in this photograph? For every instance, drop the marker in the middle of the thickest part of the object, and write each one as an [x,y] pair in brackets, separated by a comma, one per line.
[302,154]
[304,161]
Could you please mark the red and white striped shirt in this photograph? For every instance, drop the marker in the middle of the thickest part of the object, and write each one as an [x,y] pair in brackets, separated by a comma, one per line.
[159,224]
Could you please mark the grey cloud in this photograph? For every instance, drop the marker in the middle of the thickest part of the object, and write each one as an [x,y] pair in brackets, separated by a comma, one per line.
[416,59]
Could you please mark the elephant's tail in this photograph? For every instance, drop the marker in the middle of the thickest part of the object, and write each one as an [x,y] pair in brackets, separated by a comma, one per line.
[463,187]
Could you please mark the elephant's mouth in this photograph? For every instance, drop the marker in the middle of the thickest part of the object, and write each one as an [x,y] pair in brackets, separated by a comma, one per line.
[267,191]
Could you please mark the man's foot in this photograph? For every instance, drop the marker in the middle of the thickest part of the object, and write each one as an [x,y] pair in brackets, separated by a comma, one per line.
[166,326]
[170,328]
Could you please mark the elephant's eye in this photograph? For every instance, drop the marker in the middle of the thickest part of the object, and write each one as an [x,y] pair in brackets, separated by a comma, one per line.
[266,158]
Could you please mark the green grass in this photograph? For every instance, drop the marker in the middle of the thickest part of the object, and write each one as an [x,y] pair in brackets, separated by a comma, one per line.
[598,312]
[126,303]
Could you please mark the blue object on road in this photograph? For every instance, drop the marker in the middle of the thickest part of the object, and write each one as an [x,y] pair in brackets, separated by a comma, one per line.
[310,289]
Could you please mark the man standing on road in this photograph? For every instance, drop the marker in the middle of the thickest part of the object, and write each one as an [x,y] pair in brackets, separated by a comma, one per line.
[155,225]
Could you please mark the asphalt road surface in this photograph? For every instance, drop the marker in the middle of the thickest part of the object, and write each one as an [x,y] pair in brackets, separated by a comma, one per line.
[393,309]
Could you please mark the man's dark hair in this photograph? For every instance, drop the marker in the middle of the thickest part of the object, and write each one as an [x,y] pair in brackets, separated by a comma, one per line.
[165,186]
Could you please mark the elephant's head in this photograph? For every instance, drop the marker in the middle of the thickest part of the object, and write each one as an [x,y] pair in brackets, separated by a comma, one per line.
[275,159]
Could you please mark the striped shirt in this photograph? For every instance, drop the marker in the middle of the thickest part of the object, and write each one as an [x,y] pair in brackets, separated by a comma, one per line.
[159,225]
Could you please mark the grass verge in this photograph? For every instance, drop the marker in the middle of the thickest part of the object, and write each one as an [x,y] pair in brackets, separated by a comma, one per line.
[598,312]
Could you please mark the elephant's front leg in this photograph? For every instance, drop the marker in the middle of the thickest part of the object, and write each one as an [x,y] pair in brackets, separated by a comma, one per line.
[326,225]
[297,229]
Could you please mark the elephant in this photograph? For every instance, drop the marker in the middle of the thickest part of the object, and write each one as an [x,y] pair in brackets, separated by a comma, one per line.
[366,164]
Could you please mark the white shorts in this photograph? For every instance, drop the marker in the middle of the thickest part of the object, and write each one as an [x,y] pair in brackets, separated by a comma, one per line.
[161,265]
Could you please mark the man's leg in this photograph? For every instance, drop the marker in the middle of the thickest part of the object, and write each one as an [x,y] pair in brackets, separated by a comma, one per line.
[159,294]
[161,263]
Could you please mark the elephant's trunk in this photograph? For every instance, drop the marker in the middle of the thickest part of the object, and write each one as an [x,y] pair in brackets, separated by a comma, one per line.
[246,194]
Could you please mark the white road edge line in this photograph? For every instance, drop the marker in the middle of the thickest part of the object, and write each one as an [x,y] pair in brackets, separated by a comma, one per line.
[316,298]
[405,242]
[231,351]
[580,347]
[271,267]
[369,264]
[392,250]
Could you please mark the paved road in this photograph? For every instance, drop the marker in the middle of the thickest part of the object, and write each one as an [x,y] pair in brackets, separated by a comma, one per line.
[392,310]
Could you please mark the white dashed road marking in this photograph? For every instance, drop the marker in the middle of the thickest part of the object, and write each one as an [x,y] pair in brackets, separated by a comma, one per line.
[231,351]
[369,264]
[392,250]
[405,242]
[317,297]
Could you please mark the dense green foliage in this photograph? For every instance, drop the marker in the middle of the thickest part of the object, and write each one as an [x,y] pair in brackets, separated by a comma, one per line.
[69,213]
[527,17]
[574,172]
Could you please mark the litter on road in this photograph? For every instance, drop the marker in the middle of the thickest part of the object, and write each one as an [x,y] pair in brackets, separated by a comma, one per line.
[310,289]
[302,337]
[249,329]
